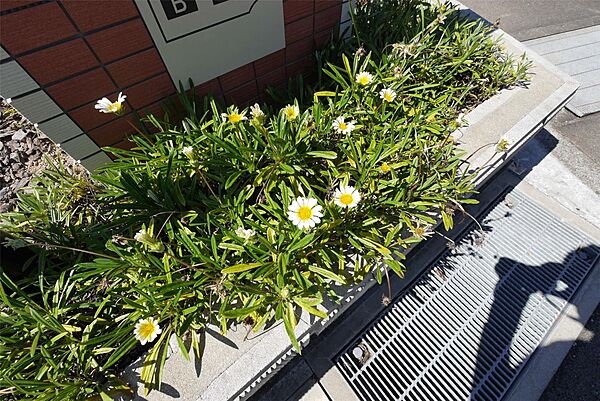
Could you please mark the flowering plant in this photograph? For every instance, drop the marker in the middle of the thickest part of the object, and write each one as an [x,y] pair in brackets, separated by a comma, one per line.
[244,216]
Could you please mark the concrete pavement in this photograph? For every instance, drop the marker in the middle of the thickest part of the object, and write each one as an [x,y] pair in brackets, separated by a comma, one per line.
[569,141]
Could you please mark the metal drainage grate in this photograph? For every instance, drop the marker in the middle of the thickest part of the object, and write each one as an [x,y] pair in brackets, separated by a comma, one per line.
[467,327]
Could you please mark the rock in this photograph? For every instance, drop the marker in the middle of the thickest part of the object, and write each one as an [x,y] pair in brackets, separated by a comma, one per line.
[19,135]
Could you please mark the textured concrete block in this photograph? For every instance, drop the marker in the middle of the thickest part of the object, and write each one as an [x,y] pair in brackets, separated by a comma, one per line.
[14,80]
[37,106]
[60,129]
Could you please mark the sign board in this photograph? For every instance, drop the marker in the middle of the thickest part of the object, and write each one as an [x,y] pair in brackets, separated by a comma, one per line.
[203,39]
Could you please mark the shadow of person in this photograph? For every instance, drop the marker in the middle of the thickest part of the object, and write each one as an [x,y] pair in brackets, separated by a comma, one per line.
[511,332]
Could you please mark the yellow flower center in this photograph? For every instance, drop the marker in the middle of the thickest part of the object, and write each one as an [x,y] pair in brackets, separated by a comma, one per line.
[114,107]
[304,213]
[385,168]
[343,126]
[419,231]
[290,113]
[363,80]
[146,329]
[235,118]
[346,199]
[387,96]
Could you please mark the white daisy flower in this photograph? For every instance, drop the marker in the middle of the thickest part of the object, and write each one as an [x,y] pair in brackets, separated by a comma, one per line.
[145,237]
[422,231]
[403,49]
[233,116]
[342,126]
[291,111]
[106,106]
[387,94]
[305,213]
[146,330]
[256,112]
[188,151]
[346,196]
[245,234]
[364,78]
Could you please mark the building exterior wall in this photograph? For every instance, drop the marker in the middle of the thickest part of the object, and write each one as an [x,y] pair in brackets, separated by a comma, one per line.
[57,58]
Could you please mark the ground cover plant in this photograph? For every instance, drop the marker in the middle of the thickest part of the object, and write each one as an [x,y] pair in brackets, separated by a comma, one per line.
[245,216]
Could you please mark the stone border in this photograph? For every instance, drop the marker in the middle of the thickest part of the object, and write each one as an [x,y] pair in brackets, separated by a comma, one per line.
[233,367]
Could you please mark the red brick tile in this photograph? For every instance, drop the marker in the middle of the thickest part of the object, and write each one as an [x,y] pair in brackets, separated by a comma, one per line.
[135,68]
[87,117]
[82,89]
[6,5]
[114,132]
[33,27]
[211,87]
[155,109]
[299,29]
[321,5]
[243,94]
[274,78]
[328,18]
[125,144]
[150,91]
[299,50]
[323,37]
[304,66]
[120,41]
[92,14]
[296,9]
[266,64]
[237,77]
[59,61]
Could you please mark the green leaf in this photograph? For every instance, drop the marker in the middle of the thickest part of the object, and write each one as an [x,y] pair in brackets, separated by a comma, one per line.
[35,342]
[105,397]
[184,351]
[241,267]
[302,243]
[325,93]
[324,154]
[447,219]
[327,273]
[239,312]
[310,309]
[289,323]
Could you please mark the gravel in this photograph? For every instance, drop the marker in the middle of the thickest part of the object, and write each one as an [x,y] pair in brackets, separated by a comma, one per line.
[24,152]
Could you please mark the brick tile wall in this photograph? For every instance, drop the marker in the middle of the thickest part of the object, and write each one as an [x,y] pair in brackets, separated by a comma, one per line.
[120,41]
[60,61]
[93,14]
[34,27]
[131,70]
[79,51]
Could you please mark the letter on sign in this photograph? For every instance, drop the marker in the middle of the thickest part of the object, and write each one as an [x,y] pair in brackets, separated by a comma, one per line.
[177,8]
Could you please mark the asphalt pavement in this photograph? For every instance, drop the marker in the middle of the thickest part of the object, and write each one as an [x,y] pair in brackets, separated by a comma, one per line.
[532,19]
